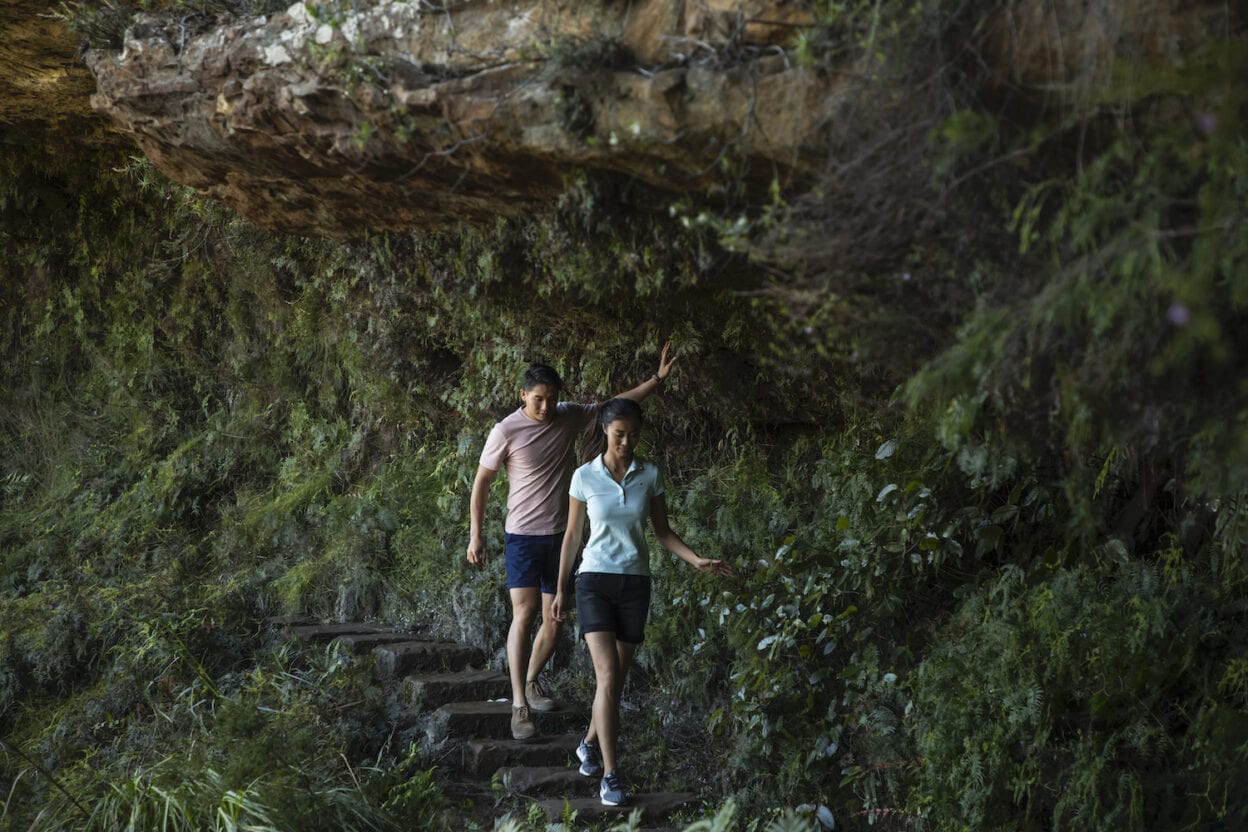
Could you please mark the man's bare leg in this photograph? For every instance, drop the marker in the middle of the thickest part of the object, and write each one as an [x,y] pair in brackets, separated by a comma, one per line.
[525,603]
[546,639]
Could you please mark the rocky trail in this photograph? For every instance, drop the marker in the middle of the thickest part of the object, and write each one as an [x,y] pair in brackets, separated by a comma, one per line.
[464,710]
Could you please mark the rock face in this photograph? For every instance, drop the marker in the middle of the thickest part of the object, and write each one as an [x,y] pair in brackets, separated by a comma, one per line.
[44,85]
[338,116]
[396,114]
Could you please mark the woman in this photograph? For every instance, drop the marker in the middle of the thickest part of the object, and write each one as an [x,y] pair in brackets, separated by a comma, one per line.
[617,490]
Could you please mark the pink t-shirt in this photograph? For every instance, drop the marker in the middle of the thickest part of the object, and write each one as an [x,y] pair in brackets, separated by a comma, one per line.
[539,463]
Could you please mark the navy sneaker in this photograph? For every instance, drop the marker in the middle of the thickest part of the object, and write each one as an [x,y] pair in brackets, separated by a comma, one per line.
[591,759]
[611,791]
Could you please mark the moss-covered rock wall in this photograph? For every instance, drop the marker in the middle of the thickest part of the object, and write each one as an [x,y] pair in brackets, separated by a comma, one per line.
[966,414]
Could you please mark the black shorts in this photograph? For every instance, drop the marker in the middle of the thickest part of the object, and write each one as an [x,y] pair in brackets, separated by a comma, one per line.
[607,603]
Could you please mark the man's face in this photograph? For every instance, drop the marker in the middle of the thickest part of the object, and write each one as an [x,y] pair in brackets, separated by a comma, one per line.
[539,403]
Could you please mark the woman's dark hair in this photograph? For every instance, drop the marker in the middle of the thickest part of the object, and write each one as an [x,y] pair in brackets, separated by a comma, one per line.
[541,374]
[613,409]
[595,441]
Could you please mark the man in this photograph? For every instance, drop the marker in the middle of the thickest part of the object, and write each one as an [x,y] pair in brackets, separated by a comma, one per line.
[534,444]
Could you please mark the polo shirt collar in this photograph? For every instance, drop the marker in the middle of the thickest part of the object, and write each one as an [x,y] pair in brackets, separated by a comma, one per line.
[602,464]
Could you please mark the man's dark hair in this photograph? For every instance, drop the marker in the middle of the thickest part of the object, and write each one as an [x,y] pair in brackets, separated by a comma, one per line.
[541,374]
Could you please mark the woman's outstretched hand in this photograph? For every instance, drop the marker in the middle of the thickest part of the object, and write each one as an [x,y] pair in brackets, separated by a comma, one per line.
[708,566]
[557,610]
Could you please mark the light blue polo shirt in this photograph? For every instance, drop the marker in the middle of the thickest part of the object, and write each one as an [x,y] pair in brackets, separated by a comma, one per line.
[617,515]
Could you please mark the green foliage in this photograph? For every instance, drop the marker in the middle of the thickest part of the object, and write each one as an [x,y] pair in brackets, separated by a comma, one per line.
[139,803]
[1011,596]
[1094,681]
[246,424]
[1128,339]
[267,745]
[868,30]
[808,630]
[412,796]
[102,24]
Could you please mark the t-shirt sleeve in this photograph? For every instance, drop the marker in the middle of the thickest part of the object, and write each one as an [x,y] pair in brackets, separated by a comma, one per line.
[585,413]
[494,454]
[656,488]
[577,489]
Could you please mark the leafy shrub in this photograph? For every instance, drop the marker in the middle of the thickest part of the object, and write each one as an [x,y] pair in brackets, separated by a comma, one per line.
[1093,680]
[1013,591]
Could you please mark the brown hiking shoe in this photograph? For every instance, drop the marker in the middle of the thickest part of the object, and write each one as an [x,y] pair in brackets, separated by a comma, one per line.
[538,700]
[522,727]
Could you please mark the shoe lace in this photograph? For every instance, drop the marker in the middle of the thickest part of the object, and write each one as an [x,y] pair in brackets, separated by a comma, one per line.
[522,712]
[613,781]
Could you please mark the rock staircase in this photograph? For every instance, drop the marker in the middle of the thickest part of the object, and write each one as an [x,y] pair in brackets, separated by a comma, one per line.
[466,710]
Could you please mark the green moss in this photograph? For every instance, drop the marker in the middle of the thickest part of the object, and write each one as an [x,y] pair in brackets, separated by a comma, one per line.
[1009,592]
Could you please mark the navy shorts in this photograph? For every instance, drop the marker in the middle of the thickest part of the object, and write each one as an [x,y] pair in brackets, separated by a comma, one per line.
[607,603]
[533,560]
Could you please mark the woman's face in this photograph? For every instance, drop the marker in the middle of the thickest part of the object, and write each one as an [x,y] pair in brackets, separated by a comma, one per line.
[622,437]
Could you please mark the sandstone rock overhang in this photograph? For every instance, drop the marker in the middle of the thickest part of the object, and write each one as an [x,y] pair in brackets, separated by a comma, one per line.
[44,86]
[335,118]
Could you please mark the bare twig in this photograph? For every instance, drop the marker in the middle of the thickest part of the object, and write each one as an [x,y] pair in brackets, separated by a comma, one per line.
[449,151]
[51,779]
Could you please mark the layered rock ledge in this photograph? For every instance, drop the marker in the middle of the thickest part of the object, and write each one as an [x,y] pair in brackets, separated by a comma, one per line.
[44,86]
[331,118]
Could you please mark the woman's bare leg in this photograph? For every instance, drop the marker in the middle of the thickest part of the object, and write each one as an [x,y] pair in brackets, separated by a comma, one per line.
[612,658]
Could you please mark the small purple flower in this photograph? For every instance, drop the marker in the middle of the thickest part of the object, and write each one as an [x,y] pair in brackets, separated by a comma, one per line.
[1206,123]
[810,330]
[905,276]
[1178,314]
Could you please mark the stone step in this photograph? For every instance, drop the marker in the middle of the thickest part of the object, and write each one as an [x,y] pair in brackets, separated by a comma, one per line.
[654,806]
[402,658]
[322,633]
[359,643]
[485,755]
[531,781]
[280,622]
[431,690]
[493,719]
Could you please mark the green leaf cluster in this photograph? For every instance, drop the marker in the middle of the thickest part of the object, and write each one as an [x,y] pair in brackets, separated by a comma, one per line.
[1008,597]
